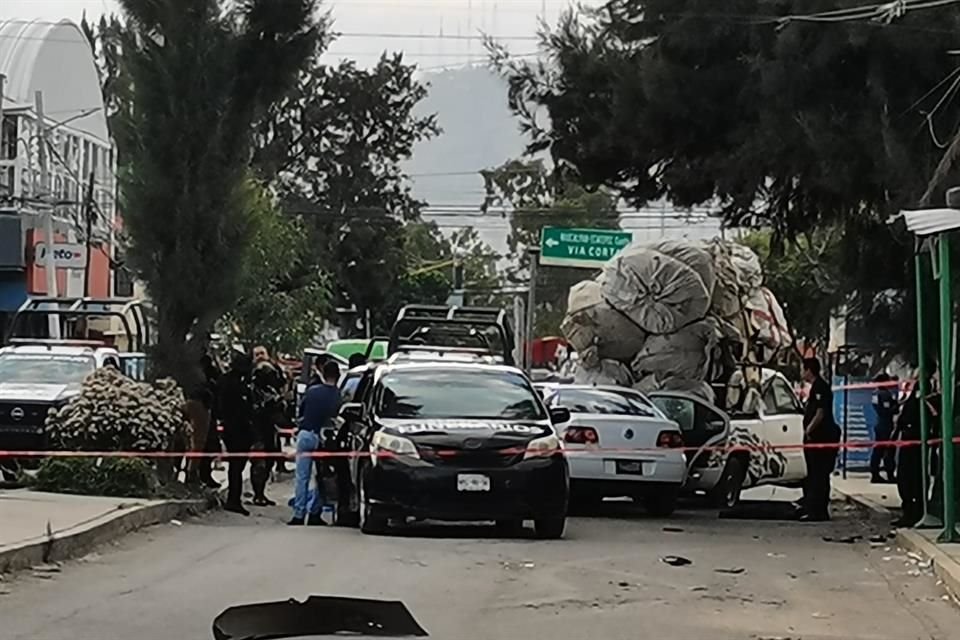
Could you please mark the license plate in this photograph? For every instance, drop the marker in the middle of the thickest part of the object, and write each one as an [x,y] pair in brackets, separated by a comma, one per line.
[629,467]
[472,482]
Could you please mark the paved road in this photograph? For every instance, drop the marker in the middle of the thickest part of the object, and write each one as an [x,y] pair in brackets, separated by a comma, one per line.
[604,582]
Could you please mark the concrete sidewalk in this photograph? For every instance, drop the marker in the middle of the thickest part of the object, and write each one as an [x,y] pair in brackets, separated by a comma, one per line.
[879,498]
[50,527]
[882,499]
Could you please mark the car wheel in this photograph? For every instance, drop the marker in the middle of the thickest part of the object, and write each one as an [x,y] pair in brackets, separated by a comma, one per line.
[550,528]
[661,504]
[727,493]
[371,522]
[510,528]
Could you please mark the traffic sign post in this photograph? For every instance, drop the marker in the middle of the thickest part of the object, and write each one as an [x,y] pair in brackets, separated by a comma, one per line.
[584,248]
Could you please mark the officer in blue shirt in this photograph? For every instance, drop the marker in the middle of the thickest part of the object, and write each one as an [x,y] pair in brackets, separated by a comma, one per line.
[318,412]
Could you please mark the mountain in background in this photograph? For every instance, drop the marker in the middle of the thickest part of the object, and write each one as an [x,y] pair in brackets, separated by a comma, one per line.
[478,132]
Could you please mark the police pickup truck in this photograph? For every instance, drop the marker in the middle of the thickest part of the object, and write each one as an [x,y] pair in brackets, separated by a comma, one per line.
[37,376]
[446,430]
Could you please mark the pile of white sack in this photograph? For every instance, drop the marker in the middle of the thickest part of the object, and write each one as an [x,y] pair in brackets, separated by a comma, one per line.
[674,315]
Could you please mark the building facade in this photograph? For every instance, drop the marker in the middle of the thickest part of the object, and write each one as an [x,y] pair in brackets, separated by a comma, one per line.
[56,62]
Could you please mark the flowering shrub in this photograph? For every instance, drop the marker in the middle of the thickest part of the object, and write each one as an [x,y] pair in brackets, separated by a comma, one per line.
[114,413]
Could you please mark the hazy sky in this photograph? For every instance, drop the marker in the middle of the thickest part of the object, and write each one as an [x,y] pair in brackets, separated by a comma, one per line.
[440,34]
[441,28]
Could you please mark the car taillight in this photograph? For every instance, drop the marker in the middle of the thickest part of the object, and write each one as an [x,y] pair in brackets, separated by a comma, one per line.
[670,440]
[581,435]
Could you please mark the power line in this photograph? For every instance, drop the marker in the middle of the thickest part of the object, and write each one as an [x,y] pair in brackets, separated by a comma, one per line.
[431,36]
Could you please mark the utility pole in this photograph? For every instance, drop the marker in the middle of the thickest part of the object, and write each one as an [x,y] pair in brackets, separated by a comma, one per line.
[47,212]
[88,215]
[520,324]
[3,80]
[531,328]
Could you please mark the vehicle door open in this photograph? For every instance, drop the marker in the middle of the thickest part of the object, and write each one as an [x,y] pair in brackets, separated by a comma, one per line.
[704,428]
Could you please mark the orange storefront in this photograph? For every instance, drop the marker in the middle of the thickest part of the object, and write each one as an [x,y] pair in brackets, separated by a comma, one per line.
[36,274]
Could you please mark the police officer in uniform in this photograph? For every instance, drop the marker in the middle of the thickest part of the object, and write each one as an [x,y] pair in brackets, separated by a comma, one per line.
[235,403]
[267,394]
[823,434]
[885,405]
[910,464]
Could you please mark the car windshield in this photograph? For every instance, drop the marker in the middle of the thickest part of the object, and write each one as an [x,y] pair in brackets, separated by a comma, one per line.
[467,394]
[44,369]
[605,401]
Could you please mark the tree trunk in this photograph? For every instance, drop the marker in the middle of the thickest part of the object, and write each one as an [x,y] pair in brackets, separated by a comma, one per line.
[173,356]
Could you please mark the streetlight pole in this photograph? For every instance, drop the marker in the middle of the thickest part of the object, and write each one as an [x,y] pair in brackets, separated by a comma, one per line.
[49,267]
[531,328]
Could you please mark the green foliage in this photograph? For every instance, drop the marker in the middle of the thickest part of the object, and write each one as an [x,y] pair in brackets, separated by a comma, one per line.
[67,475]
[789,125]
[124,477]
[107,41]
[807,277]
[114,413]
[429,260]
[539,198]
[283,294]
[202,74]
[333,150]
[120,477]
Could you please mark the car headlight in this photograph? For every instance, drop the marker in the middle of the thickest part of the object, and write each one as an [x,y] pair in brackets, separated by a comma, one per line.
[542,447]
[385,442]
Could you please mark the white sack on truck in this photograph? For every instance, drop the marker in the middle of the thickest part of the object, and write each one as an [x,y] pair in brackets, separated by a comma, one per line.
[590,321]
[659,290]
[609,372]
[767,319]
[728,292]
[682,354]
[747,264]
[697,388]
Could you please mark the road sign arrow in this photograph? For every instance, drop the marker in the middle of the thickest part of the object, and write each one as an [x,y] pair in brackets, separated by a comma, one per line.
[550,242]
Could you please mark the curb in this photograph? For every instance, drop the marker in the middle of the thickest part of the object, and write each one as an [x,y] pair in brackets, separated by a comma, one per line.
[80,540]
[945,567]
[864,503]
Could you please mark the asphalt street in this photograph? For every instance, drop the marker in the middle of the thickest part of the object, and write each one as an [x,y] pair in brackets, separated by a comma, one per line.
[607,580]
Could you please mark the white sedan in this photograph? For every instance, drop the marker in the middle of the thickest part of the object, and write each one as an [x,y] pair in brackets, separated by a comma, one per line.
[619,444]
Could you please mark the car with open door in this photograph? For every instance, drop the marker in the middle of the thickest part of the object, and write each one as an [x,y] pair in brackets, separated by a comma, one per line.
[619,444]
[758,442]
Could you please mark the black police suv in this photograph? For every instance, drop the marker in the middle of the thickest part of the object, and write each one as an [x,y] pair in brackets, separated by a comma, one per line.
[443,439]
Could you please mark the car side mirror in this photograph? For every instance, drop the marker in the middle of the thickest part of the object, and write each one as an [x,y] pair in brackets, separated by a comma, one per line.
[559,415]
[351,411]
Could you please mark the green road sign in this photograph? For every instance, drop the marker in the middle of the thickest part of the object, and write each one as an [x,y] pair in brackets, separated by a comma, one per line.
[588,248]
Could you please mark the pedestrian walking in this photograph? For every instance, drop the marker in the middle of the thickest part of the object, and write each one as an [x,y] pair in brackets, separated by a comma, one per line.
[822,437]
[883,455]
[236,412]
[318,411]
